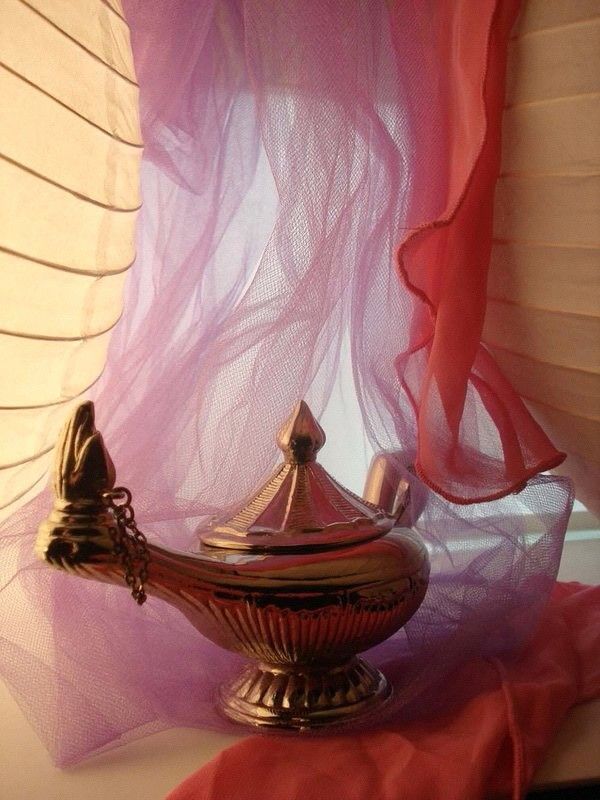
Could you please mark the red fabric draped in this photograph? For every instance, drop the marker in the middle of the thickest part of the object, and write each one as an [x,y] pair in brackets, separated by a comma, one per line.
[476,440]
[490,746]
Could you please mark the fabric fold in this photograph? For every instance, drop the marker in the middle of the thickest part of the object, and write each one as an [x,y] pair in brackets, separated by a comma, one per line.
[476,439]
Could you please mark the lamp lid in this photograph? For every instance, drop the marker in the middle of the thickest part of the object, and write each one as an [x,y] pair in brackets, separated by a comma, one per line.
[301,507]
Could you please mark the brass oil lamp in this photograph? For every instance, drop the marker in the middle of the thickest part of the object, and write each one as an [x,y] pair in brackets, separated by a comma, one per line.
[300,580]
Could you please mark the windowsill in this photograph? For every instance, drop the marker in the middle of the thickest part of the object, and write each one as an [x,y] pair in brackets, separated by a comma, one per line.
[151,767]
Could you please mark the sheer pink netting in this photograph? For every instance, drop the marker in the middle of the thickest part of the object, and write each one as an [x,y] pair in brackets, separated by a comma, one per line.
[290,148]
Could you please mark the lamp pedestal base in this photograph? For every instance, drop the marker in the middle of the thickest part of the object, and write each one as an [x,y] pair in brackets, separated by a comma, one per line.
[302,697]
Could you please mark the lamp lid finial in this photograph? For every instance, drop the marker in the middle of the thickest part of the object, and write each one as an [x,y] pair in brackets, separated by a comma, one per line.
[301,437]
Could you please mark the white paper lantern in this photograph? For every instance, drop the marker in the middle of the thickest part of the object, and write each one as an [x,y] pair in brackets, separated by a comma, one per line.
[70,150]
[543,319]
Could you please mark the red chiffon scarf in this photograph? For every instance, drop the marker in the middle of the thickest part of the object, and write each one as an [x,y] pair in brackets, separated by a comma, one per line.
[476,440]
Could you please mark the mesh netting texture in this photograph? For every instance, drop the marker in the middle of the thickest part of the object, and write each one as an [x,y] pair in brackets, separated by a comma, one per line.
[313,173]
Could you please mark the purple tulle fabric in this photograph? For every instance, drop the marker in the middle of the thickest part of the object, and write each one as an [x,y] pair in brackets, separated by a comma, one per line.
[277,181]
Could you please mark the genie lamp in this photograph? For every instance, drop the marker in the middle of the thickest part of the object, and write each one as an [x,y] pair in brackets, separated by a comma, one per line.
[300,580]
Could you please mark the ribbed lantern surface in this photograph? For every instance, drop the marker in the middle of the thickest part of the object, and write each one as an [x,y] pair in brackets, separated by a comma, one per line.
[70,150]
[543,317]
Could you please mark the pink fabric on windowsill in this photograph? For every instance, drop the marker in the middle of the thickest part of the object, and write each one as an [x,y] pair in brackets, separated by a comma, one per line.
[488,747]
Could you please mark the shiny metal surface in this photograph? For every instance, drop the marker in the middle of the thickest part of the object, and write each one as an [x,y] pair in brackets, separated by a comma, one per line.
[300,507]
[385,485]
[302,614]
[303,699]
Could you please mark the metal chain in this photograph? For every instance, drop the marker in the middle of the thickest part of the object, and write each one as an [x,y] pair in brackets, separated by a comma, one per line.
[130,544]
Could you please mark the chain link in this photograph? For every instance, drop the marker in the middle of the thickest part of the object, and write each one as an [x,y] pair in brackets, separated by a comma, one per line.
[130,544]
